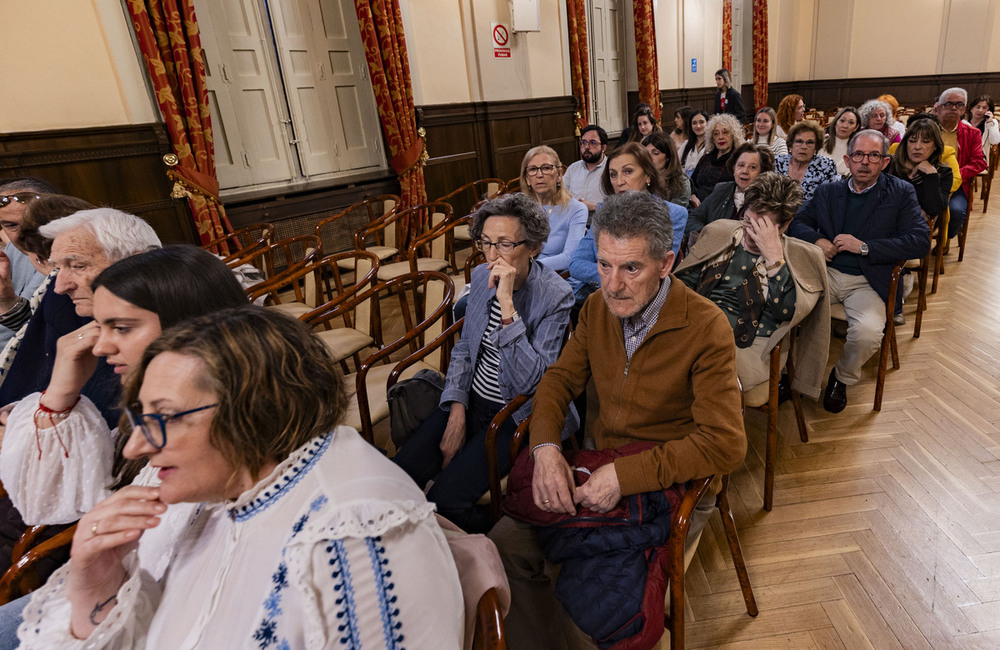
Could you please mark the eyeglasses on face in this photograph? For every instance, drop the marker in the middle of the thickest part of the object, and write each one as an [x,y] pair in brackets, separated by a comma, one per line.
[501,246]
[544,169]
[20,197]
[156,436]
[859,156]
[590,143]
[954,105]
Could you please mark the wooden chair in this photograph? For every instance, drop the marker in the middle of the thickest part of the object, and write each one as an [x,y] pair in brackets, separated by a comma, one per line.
[403,226]
[676,563]
[986,176]
[373,380]
[765,398]
[468,196]
[22,577]
[513,185]
[431,250]
[273,261]
[240,242]
[940,238]
[489,633]
[888,335]
[922,268]
[330,229]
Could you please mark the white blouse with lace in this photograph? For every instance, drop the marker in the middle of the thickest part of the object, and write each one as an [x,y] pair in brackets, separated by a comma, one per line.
[336,548]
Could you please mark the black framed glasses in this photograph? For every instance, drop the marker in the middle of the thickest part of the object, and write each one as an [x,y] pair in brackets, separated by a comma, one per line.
[20,197]
[543,169]
[954,105]
[501,246]
[156,436]
[590,143]
[859,156]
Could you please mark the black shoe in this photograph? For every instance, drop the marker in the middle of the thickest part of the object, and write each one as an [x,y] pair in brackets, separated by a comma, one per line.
[784,389]
[835,395]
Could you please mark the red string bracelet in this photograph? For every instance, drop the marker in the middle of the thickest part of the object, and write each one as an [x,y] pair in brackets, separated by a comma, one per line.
[52,415]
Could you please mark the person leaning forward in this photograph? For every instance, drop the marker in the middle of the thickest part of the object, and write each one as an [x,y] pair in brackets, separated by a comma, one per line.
[663,362]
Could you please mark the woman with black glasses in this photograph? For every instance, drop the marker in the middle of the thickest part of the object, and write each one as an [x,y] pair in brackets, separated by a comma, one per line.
[515,323]
[541,180]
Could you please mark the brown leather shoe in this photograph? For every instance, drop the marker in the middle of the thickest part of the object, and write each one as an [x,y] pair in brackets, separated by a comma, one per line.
[835,395]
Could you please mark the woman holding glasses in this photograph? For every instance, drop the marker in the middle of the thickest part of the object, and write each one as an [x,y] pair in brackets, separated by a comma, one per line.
[541,180]
[515,323]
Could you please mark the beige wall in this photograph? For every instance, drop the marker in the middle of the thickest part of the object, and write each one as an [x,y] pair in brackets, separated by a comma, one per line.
[73,64]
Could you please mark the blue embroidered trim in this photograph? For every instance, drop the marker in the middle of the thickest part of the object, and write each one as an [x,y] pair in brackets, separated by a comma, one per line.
[387,600]
[310,455]
[348,628]
[266,633]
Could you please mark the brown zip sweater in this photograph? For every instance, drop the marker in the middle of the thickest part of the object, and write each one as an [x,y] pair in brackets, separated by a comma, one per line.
[679,389]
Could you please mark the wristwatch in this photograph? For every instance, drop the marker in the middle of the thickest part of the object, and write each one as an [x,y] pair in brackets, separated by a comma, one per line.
[864,248]
[508,321]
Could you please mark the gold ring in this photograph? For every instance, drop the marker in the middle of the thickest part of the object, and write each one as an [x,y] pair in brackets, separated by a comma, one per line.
[93,530]
[545,501]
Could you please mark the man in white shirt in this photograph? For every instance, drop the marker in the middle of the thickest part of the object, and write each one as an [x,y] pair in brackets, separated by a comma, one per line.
[583,178]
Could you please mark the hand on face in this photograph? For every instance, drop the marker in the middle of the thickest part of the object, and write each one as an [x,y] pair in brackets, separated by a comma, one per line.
[8,297]
[502,278]
[75,363]
[764,237]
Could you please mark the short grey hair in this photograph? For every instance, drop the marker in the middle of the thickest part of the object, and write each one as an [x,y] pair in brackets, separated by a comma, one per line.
[954,91]
[26,184]
[534,221]
[118,233]
[865,111]
[868,133]
[636,214]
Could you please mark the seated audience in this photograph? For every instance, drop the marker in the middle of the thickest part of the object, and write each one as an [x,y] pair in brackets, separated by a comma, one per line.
[37,248]
[694,148]
[845,124]
[515,323]
[877,115]
[582,179]
[270,524]
[865,224]
[981,117]
[679,136]
[791,110]
[765,283]
[725,134]
[765,131]
[19,278]
[673,384]
[643,123]
[726,200]
[727,99]
[803,164]
[893,104]
[968,144]
[541,181]
[676,184]
[630,168]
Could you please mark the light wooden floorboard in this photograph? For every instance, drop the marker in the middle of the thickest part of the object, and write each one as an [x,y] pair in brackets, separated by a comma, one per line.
[886,527]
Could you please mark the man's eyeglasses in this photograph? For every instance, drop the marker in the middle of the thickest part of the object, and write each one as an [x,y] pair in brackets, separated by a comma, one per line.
[544,169]
[156,436]
[859,156]
[590,143]
[954,105]
[501,246]
[20,197]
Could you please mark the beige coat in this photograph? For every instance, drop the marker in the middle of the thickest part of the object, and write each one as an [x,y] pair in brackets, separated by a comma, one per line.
[807,265]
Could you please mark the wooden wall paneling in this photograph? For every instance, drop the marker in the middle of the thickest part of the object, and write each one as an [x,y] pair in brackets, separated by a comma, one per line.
[514,127]
[457,146]
[119,166]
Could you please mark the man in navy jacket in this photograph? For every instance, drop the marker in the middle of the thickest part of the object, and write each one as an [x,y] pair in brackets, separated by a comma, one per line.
[865,225]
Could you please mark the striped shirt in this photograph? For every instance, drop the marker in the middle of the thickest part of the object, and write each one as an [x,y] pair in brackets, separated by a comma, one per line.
[485,382]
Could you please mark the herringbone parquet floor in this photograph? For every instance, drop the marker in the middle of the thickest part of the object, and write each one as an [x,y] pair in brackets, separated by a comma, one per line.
[885,531]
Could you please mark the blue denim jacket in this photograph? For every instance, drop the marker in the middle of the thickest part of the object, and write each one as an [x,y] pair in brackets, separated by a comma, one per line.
[527,347]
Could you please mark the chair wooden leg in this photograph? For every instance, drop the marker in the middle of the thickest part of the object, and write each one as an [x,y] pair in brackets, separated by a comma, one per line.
[800,419]
[771,457]
[921,295]
[735,549]
[939,262]
[883,362]
[963,233]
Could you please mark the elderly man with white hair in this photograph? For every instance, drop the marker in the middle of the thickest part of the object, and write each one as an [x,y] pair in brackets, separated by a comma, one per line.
[967,141]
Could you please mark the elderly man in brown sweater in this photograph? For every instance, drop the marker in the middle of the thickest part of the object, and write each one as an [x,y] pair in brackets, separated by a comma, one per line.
[662,359]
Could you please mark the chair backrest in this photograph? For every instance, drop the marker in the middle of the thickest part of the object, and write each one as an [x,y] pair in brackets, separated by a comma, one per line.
[240,242]
[337,230]
[323,282]
[282,257]
[466,197]
[513,185]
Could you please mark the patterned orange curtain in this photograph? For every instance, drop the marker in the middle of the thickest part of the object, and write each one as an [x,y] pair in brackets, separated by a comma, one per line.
[385,48]
[760,53]
[645,54]
[727,34]
[579,58]
[167,32]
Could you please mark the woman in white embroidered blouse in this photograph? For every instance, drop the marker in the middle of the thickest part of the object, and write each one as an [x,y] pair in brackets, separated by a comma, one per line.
[305,536]
[56,460]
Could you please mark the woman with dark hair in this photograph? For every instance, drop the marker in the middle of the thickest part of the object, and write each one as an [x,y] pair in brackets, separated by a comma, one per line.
[838,133]
[270,526]
[765,131]
[58,452]
[803,164]
[981,116]
[643,123]
[727,99]
[746,164]
[679,136]
[676,184]
[791,110]
[694,148]
[515,321]
[917,160]
[725,134]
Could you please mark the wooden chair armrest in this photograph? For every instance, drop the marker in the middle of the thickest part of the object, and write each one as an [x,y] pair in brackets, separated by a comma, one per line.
[680,525]
[12,577]
[492,459]
[441,339]
[489,633]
